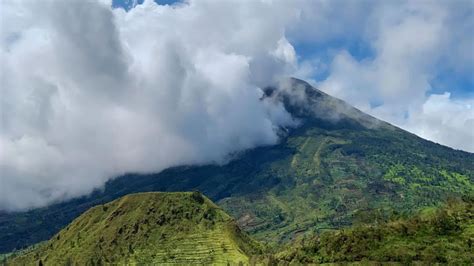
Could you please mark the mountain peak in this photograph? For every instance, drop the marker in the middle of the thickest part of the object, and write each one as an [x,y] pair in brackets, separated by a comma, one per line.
[306,102]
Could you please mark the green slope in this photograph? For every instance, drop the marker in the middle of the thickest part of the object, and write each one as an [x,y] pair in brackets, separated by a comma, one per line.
[328,183]
[339,168]
[148,229]
[445,235]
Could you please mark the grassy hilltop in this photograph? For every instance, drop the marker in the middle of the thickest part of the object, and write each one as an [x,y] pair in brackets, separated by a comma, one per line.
[150,229]
[188,229]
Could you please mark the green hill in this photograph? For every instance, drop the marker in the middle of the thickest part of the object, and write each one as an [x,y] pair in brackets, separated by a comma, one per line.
[338,168]
[444,235]
[148,229]
[188,229]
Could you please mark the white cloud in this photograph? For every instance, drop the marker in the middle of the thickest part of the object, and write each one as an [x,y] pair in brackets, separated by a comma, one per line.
[445,120]
[89,93]
[412,42]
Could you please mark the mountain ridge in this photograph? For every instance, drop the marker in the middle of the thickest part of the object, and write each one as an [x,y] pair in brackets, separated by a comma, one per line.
[329,172]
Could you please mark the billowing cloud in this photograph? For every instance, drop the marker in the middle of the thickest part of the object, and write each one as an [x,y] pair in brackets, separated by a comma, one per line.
[442,118]
[89,93]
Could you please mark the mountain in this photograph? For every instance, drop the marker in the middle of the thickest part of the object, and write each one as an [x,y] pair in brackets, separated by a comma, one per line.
[147,228]
[338,168]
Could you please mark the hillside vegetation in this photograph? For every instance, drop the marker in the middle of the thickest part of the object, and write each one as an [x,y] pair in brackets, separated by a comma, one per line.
[147,229]
[187,229]
[339,168]
[444,235]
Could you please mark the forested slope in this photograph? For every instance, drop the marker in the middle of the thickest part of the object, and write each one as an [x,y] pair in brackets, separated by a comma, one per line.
[339,167]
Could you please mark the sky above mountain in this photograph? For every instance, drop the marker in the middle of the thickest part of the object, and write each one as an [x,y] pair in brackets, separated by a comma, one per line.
[409,63]
[94,89]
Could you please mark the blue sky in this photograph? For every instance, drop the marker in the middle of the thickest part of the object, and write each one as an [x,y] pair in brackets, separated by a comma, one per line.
[128,4]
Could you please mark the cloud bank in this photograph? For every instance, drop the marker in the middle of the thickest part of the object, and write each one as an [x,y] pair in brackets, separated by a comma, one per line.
[89,92]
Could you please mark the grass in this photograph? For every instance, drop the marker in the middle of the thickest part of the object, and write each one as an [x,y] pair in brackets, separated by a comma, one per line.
[444,235]
[147,228]
[188,229]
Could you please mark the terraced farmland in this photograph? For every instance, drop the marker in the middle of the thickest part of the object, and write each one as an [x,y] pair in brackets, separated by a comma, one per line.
[147,228]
